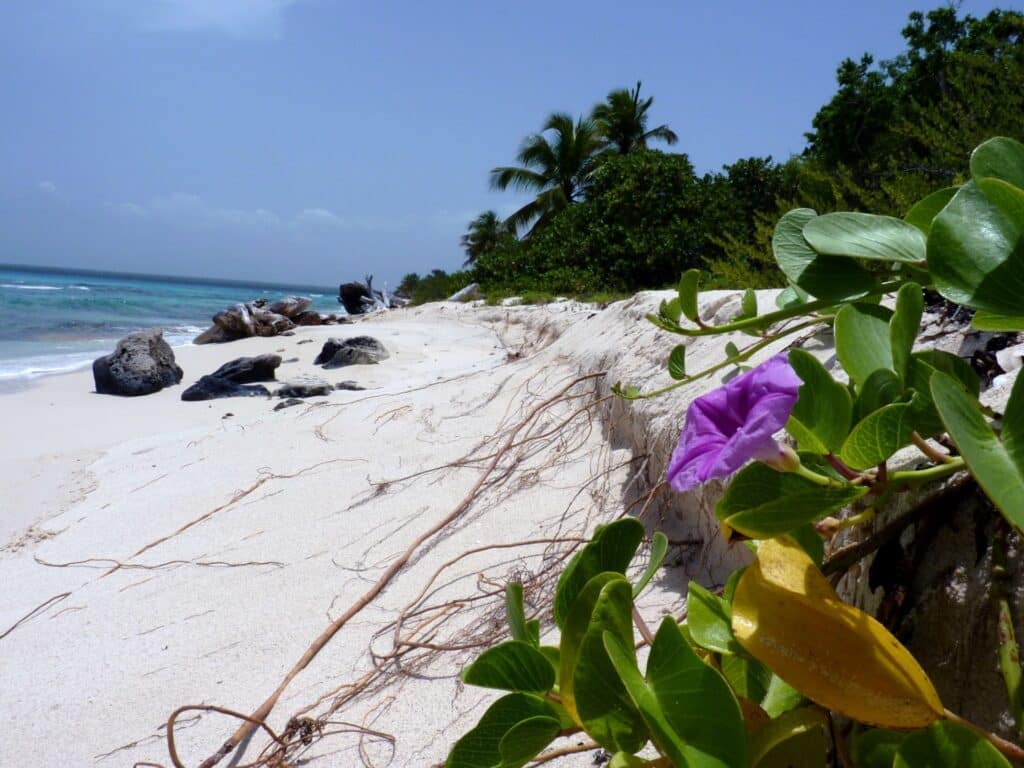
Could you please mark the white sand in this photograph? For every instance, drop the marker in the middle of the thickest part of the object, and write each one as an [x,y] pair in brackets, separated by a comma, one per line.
[219,612]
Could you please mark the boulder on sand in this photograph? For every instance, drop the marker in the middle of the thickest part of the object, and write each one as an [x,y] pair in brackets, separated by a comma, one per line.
[245,370]
[359,350]
[309,317]
[254,318]
[315,388]
[236,320]
[141,363]
[351,296]
[212,387]
[290,306]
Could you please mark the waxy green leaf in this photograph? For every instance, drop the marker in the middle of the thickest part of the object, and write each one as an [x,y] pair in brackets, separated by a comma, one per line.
[879,435]
[821,418]
[826,277]
[795,738]
[659,548]
[865,236]
[947,745]
[677,362]
[688,285]
[512,731]
[903,327]
[862,340]
[990,321]
[925,210]
[709,620]
[1001,158]
[875,748]
[761,503]
[511,666]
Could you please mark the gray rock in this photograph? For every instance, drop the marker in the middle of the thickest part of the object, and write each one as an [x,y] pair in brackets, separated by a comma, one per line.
[308,317]
[245,370]
[305,389]
[267,323]
[349,386]
[212,388]
[305,341]
[142,363]
[236,320]
[213,335]
[290,306]
[359,350]
[287,403]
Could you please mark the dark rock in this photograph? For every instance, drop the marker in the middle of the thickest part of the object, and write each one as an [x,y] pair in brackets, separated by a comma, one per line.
[359,350]
[212,387]
[290,306]
[349,386]
[288,333]
[213,335]
[308,318]
[287,403]
[305,341]
[141,363]
[351,296]
[245,370]
[267,323]
[290,360]
[305,389]
[236,320]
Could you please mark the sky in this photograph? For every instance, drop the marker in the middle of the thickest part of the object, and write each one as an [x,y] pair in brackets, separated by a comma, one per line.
[316,141]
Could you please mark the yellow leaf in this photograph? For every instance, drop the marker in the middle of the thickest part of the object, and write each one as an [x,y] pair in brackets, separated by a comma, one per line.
[788,617]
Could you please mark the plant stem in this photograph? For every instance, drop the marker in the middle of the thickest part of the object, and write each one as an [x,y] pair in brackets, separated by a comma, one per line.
[924,447]
[915,477]
[817,478]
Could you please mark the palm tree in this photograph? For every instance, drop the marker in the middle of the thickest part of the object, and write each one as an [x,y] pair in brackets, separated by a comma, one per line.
[557,169]
[622,121]
[485,233]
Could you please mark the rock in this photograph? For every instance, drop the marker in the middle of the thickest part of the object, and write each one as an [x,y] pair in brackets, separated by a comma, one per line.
[236,320]
[290,306]
[315,388]
[308,318]
[351,296]
[305,341]
[267,323]
[469,293]
[245,370]
[212,387]
[349,386]
[359,350]
[213,335]
[290,360]
[141,363]
[287,403]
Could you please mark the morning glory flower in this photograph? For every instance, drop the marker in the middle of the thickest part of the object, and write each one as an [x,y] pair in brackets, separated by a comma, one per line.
[735,423]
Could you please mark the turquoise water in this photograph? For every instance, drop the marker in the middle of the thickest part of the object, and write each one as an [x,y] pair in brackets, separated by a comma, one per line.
[53,321]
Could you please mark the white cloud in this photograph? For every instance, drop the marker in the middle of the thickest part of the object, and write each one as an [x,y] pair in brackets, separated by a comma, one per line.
[47,187]
[238,18]
[320,216]
[193,210]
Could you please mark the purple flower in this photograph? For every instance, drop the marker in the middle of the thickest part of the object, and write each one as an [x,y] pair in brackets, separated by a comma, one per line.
[734,424]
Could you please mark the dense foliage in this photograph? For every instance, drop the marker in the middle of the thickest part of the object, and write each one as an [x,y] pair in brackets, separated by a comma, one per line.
[609,213]
[763,674]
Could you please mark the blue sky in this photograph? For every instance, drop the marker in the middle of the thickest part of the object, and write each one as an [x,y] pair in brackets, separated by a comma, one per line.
[313,141]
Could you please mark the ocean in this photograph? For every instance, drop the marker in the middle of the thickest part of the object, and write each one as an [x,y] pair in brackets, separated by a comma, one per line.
[53,321]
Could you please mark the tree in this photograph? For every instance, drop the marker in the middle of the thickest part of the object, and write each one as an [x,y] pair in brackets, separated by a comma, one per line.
[485,233]
[558,168]
[622,121]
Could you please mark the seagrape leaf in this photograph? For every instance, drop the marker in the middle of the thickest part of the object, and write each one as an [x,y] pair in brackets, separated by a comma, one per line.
[865,236]
[795,738]
[998,466]
[925,210]
[1001,158]
[862,340]
[692,714]
[688,285]
[591,691]
[875,748]
[821,418]
[879,435]
[511,666]
[976,247]
[611,549]
[709,620]
[761,503]
[903,326]
[531,721]
[947,745]
[990,321]
[677,362]
[786,615]
[827,277]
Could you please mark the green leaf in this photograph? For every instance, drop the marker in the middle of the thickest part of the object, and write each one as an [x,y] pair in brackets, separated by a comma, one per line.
[511,666]
[810,542]
[611,549]
[748,304]
[827,277]
[947,745]
[879,435]
[709,620]
[747,678]
[659,548]
[761,503]
[925,210]
[903,327]
[990,321]
[688,285]
[865,236]
[670,310]
[552,654]
[976,248]
[881,388]
[677,362]
[485,745]
[821,417]
[1001,158]
[923,365]
[998,467]
[514,612]
[791,296]
[626,760]
[862,340]
[696,701]
[798,734]
[780,697]
[875,748]
[604,708]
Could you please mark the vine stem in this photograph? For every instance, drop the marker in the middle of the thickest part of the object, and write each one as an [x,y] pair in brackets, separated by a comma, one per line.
[1007,748]
[924,447]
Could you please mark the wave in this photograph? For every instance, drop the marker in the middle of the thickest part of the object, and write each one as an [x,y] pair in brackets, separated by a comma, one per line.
[20,287]
[34,367]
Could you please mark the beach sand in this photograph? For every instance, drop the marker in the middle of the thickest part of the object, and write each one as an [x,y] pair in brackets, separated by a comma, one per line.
[162,554]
